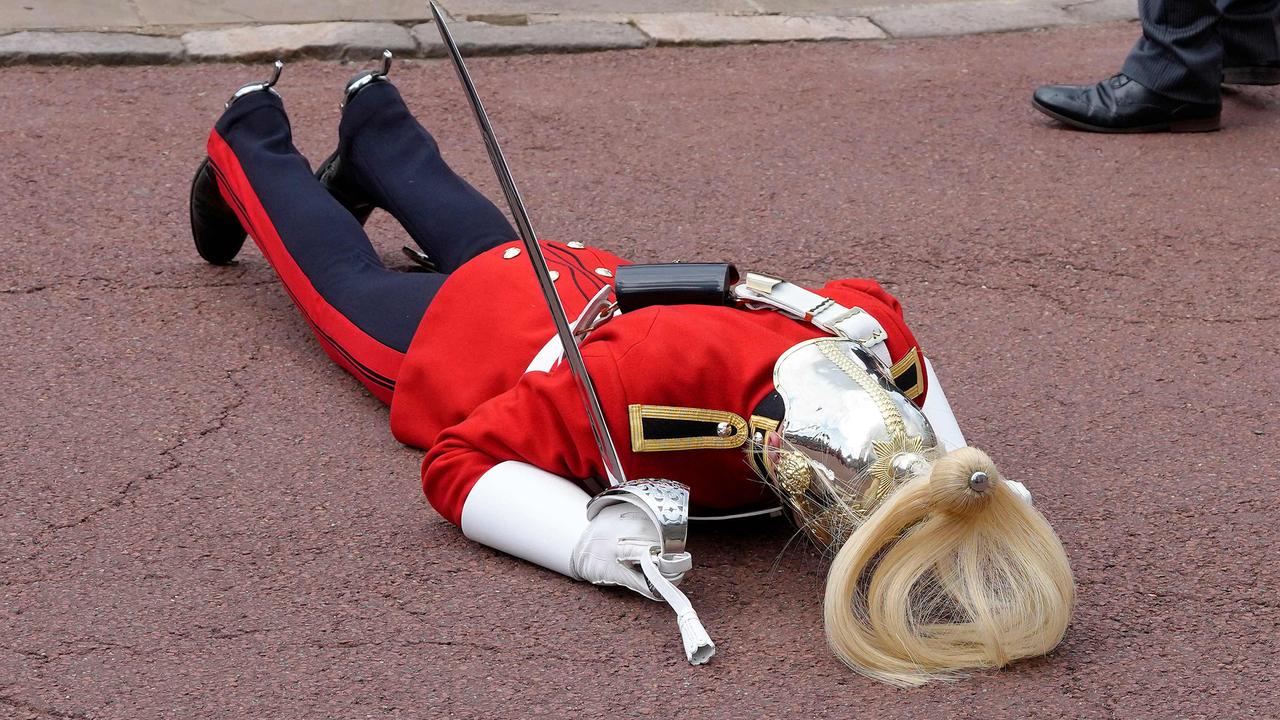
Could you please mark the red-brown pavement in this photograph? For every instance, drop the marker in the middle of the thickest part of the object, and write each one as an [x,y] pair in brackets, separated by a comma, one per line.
[204,518]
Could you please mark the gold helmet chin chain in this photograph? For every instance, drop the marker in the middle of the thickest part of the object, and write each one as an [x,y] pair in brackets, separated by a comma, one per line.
[889,412]
[795,474]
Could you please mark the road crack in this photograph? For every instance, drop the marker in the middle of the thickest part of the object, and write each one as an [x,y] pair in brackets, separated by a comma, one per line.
[97,282]
[170,453]
[25,706]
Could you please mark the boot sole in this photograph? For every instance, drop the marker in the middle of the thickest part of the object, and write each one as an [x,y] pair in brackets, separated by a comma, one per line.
[216,230]
[1209,124]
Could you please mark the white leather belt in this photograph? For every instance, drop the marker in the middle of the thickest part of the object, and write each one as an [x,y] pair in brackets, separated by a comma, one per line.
[824,313]
[758,291]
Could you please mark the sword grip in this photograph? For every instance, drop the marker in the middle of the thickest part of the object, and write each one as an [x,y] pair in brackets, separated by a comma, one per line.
[638,286]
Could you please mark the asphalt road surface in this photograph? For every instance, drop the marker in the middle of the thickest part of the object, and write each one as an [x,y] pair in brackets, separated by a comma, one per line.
[203,518]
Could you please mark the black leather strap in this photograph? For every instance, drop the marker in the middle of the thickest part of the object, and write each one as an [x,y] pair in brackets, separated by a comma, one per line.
[638,286]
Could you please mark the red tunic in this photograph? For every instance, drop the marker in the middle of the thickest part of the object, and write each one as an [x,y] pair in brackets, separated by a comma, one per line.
[463,393]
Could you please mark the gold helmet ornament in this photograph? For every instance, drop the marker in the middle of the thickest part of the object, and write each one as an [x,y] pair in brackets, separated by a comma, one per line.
[848,436]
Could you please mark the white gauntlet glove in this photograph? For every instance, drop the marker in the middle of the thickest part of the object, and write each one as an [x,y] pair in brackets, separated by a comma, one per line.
[611,548]
[532,514]
[623,546]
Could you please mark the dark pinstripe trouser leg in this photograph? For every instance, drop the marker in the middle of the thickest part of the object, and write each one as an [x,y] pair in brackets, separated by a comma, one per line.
[1250,31]
[1179,53]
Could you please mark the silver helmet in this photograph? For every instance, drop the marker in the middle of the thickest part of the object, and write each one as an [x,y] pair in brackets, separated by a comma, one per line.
[848,436]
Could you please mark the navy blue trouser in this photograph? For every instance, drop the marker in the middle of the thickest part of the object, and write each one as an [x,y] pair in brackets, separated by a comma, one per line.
[1186,43]
[363,313]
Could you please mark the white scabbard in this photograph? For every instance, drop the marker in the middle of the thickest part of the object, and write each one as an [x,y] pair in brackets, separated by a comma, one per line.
[947,430]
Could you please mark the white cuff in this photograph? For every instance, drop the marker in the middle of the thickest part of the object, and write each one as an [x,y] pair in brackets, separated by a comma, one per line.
[527,512]
[938,411]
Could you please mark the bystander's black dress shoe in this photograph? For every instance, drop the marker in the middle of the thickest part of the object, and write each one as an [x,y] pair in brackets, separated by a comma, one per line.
[1263,74]
[1119,104]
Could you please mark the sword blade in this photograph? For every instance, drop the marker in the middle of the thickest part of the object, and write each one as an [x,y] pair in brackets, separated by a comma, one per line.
[595,414]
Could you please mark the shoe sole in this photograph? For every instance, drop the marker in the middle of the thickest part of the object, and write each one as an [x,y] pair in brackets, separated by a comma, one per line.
[1251,76]
[1193,125]
[215,228]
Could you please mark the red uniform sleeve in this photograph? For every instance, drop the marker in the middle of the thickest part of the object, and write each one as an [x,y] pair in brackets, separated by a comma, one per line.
[540,421]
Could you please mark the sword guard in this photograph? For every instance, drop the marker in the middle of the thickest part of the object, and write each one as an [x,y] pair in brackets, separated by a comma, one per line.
[666,502]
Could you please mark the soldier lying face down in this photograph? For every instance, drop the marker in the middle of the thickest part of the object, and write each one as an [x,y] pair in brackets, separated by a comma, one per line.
[941,564]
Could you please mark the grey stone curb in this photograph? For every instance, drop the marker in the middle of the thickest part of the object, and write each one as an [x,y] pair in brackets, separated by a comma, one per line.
[476,38]
[712,29]
[1102,11]
[543,33]
[969,18]
[88,48]
[327,40]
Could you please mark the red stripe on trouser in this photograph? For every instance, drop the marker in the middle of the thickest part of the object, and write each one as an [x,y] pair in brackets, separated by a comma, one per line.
[375,365]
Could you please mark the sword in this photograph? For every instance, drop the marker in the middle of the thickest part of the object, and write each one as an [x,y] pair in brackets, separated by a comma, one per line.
[604,441]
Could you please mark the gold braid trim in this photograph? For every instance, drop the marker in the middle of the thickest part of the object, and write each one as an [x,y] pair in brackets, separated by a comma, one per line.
[639,443]
[889,412]
[881,471]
